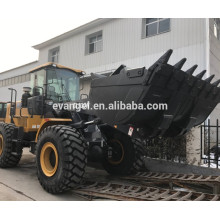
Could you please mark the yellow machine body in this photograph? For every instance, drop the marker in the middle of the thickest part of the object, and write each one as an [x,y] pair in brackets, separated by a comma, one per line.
[2,119]
[31,123]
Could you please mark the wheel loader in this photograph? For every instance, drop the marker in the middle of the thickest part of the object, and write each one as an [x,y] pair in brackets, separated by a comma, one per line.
[63,140]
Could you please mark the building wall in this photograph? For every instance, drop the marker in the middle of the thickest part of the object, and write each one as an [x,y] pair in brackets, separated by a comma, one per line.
[5,94]
[123,44]
[214,64]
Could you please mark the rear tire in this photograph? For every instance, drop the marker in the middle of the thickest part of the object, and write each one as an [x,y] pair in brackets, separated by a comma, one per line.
[130,158]
[61,158]
[8,158]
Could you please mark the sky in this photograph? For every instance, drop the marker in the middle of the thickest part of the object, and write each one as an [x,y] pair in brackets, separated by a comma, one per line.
[25,23]
[17,36]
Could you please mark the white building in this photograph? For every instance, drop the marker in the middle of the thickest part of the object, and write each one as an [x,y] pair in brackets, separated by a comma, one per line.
[103,44]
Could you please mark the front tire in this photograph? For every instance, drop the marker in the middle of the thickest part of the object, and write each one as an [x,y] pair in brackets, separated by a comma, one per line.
[61,158]
[123,155]
[8,158]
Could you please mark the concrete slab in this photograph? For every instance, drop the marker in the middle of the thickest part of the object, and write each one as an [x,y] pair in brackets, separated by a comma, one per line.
[156,165]
[21,184]
[9,194]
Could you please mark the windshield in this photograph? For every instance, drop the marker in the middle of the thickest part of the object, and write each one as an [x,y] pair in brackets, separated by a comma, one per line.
[62,85]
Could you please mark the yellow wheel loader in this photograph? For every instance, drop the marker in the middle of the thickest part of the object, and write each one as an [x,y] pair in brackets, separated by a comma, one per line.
[64,138]
[61,152]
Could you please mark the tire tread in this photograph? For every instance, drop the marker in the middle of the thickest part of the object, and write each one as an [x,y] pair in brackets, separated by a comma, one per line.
[9,159]
[74,164]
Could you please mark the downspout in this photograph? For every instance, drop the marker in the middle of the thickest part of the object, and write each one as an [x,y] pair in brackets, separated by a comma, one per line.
[207,47]
[207,52]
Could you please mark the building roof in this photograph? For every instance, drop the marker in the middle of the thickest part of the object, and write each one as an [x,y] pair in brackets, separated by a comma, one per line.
[27,64]
[73,32]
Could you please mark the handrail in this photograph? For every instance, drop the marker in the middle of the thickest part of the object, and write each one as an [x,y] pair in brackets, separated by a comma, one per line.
[12,91]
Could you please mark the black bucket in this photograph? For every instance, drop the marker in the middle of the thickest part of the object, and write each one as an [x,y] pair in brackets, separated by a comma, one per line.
[189,99]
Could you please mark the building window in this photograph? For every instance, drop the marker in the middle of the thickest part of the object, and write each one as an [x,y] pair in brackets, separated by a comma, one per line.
[20,79]
[154,26]
[217,28]
[9,82]
[94,43]
[23,78]
[6,82]
[15,80]
[54,55]
[27,77]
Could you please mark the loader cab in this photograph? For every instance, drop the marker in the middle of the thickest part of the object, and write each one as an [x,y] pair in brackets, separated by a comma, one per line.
[58,83]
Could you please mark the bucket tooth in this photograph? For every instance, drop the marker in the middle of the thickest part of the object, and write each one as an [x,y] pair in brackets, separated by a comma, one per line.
[180,64]
[209,79]
[216,83]
[191,70]
[165,58]
[117,71]
[162,60]
[200,75]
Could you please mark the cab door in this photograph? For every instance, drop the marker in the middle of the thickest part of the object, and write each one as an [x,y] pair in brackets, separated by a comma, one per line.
[38,78]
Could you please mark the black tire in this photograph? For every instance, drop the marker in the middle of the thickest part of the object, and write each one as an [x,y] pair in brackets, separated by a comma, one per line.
[133,159]
[72,158]
[138,164]
[8,158]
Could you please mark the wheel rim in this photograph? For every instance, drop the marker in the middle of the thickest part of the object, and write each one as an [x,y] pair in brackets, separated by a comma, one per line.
[49,159]
[117,152]
[1,144]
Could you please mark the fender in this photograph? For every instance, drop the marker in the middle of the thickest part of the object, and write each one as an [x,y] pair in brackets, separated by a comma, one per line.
[51,121]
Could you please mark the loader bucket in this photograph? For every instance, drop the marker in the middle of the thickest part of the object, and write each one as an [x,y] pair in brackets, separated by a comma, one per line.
[189,99]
